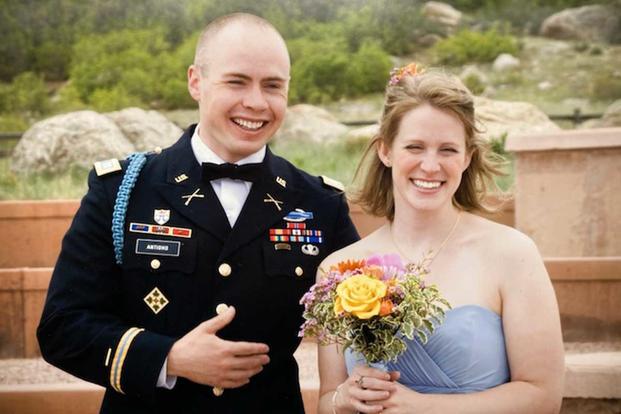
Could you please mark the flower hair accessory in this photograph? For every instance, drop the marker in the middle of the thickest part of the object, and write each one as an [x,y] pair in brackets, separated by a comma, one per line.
[397,74]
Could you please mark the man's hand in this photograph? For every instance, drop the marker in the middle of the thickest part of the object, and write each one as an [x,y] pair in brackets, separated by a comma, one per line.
[202,357]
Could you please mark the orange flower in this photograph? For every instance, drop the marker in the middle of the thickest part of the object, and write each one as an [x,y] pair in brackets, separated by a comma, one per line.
[352,265]
[373,271]
[386,307]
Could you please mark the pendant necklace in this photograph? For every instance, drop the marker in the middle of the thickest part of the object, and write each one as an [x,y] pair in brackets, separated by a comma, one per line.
[428,258]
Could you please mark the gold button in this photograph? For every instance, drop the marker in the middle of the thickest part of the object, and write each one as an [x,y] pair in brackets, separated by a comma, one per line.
[221,308]
[224,269]
[155,264]
[217,391]
[299,271]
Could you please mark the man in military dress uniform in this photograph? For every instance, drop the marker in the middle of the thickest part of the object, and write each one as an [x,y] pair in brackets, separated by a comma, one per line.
[178,284]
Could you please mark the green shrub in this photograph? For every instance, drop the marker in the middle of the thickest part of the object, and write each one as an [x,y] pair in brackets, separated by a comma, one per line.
[474,83]
[319,77]
[52,59]
[596,51]
[27,93]
[127,59]
[497,144]
[368,70]
[175,95]
[67,99]
[106,100]
[469,46]
[12,123]
[324,70]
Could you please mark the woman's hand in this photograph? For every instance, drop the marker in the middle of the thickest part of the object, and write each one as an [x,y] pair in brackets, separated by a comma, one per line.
[364,391]
[404,401]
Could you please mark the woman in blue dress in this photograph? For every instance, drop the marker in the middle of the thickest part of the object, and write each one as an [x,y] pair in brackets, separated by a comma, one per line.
[499,349]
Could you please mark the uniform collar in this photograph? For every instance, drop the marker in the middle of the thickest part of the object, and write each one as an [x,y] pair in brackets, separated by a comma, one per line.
[203,153]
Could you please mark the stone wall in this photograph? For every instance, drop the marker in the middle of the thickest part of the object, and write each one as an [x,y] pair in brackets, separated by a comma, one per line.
[568,191]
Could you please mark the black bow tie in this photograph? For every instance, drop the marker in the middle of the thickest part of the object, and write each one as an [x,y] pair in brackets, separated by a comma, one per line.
[246,172]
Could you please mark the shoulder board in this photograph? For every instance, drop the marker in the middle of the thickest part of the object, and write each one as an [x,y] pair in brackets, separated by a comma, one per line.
[107,166]
[332,183]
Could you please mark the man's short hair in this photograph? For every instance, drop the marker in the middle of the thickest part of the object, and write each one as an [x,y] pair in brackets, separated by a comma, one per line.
[215,26]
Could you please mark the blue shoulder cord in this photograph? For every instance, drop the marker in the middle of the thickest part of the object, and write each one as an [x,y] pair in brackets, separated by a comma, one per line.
[136,162]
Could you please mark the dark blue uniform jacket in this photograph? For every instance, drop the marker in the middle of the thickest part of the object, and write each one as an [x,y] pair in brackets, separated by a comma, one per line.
[115,324]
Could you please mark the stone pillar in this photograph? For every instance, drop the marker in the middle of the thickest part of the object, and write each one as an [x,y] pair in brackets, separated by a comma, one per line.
[568,191]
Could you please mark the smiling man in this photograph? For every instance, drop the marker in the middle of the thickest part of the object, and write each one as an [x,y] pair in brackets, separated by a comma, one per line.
[178,284]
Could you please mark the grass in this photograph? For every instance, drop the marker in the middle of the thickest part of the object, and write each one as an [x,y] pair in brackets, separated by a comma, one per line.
[68,185]
[336,160]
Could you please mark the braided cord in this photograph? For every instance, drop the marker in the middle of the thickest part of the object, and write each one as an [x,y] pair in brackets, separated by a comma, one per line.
[136,162]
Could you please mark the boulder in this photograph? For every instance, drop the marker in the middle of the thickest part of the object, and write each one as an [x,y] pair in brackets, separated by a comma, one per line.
[499,117]
[146,129]
[360,136]
[588,23]
[611,118]
[505,62]
[428,40]
[77,138]
[310,123]
[441,13]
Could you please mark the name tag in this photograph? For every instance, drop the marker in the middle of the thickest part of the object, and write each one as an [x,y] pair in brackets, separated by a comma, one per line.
[158,247]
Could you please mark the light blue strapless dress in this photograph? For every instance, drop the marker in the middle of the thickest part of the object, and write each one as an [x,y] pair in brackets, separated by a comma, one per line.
[466,353]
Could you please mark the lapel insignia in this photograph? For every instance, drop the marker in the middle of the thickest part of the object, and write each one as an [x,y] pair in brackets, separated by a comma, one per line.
[281,181]
[181,178]
[310,249]
[282,246]
[161,217]
[156,301]
[190,197]
[161,230]
[107,166]
[298,215]
[271,199]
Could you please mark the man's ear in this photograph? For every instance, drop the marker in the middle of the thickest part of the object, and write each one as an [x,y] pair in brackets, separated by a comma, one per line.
[194,82]
[384,153]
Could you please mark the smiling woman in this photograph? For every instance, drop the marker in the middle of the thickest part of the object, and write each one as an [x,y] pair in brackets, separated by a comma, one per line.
[500,344]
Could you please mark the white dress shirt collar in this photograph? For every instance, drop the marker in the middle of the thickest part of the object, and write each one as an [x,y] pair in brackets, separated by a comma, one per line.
[203,153]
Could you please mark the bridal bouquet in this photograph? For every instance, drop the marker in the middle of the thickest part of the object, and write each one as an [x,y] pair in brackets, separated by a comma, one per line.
[371,305]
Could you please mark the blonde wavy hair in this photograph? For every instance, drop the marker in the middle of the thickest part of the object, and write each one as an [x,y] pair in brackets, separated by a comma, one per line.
[443,91]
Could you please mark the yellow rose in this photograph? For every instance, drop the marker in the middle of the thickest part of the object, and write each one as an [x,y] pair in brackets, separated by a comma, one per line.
[360,295]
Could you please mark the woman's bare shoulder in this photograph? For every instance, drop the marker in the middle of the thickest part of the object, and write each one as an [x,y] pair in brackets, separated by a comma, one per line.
[513,252]
[498,237]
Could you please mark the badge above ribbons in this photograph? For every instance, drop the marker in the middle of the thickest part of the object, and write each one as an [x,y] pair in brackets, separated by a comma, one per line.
[298,215]
[161,217]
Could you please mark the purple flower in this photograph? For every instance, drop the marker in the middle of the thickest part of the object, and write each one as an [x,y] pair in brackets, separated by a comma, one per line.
[387,260]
